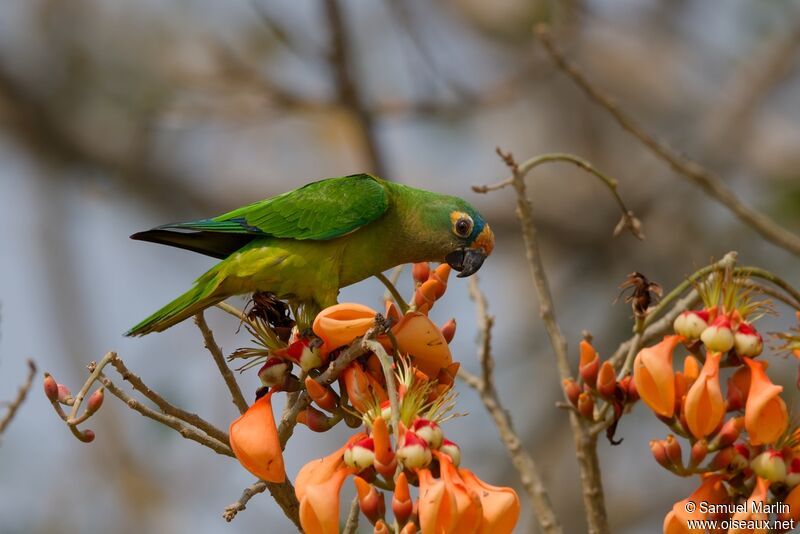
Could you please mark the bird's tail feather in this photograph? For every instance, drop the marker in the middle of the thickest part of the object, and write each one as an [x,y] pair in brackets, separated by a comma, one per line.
[200,297]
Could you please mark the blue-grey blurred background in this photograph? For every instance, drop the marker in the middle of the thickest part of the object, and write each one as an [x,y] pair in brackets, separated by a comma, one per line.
[116,116]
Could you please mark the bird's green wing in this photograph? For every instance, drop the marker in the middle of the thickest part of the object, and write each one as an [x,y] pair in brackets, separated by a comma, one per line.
[318,211]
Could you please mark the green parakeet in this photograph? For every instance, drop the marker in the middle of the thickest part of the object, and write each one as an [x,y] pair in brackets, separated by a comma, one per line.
[304,245]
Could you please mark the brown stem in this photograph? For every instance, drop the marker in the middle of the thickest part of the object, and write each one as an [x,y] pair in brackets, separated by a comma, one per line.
[14,405]
[709,182]
[219,359]
[585,442]
[529,473]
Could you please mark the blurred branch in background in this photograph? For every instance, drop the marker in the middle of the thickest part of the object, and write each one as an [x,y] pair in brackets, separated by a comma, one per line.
[13,406]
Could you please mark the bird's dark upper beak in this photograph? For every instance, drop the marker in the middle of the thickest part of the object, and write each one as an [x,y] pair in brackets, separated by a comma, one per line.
[466,261]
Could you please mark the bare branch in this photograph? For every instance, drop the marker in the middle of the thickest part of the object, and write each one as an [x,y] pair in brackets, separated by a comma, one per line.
[712,184]
[248,493]
[525,465]
[14,405]
[351,524]
[219,359]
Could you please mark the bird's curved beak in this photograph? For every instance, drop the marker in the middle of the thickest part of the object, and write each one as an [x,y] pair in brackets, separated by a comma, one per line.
[467,260]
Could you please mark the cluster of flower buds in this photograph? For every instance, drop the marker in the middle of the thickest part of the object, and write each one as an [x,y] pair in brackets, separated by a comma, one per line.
[720,332]
[598,381]
[59,395]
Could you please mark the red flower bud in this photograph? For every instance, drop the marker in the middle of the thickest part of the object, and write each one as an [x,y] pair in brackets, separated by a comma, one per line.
[402,505]
[95,401]
[659,450]
[674,453]
[421,272]
[606,380]
[729,432]
[370,500]
[722,459]
[64,396]
[448,330]
[586,406]
[88,436]
[589,364]
[572,390]
[50,387]
[629,385]
[698,452]
[322,395]
[316,420]
[381,528]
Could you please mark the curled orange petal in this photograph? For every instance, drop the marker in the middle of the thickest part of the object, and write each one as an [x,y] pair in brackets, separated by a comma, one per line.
[254,441]
[711,491]
[500,505]
[759,496]
[319,507]
[673,525]
[765,414]
[654,377]
[704,406]
[421,338]
[340,324]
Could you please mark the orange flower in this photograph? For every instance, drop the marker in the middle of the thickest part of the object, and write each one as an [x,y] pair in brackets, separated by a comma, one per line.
[362,388]
[793,502]
[654,377]
[317,487]
[469,509]
[340,324]
[759,495]
[711,491]
[704,407]
[254,440]
[421,338]
[436,504]
[589,363]
[500,505]
[765,414]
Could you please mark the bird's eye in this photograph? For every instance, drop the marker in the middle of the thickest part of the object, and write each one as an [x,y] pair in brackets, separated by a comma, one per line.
[463,227]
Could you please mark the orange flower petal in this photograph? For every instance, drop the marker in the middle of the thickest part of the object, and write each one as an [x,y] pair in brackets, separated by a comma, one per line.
[319,507]
[421,338]
[711,491]
[340,324]
[322,469]
[765,414]
[673,525]
[793,502]
[704,406]
[500,505]
[654,377]
[468,509]
[436,505]
[254,441]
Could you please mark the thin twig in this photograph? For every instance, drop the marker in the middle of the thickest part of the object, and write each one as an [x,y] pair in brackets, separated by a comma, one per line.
[530,475]
[585,442]
[248,493]
[219,359]
[14,405]
[351,524]
[709,182]
[174,423]
[165,406]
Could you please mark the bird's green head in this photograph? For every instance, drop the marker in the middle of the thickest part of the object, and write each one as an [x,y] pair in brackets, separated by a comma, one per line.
[463,234]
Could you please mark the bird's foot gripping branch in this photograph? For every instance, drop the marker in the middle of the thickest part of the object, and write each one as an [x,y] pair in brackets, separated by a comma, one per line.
[389,375]
[729,422]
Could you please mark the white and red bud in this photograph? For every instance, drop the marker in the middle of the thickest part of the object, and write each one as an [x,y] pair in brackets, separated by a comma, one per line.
[306,353]
[429,431]
[414,452]
[273,372]
[452,450]
[718,337]
[691,323]
[747,341]
[769,465]
[741,458]
[50,388]
[360,454]
[95,401]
